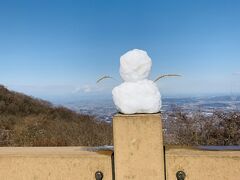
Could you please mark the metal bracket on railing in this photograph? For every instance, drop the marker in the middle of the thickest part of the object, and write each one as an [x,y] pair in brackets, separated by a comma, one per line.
[180,175]
[99,175]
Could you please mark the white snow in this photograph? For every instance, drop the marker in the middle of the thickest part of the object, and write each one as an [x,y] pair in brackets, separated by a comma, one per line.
[137,97]
[137,94]
[135,65]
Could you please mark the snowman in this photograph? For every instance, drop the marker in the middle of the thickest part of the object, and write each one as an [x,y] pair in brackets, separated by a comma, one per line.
[137,94]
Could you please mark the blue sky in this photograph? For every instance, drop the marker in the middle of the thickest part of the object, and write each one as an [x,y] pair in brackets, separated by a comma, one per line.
[59,48]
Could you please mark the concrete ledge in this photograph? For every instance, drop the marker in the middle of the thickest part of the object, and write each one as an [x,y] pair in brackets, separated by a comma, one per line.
[202,164]
[55,163]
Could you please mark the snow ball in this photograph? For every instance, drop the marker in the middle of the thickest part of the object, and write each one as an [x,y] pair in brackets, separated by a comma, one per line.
[137,97]
[135,65]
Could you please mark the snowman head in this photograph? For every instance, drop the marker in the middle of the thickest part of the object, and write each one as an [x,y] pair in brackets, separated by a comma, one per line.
[135,65]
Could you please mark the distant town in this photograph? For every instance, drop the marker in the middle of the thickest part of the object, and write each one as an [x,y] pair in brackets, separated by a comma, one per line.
[104,109]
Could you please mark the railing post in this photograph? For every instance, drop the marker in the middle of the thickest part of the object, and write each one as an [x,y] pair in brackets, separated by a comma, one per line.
[138,147]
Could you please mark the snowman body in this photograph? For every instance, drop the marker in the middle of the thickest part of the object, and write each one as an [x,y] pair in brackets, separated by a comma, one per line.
[137,94]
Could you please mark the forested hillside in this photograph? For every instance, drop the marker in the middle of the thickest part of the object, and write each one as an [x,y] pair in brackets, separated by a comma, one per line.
[27,121]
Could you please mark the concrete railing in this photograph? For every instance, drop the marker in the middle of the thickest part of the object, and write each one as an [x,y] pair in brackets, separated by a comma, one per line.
[48,163]
[139,154]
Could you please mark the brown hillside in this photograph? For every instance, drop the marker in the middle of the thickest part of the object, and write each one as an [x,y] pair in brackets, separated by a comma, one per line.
[26,121]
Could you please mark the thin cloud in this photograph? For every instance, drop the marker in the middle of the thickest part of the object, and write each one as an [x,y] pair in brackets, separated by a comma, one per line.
[87,88]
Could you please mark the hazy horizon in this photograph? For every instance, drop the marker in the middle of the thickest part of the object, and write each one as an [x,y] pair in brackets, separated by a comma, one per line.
[68,98]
